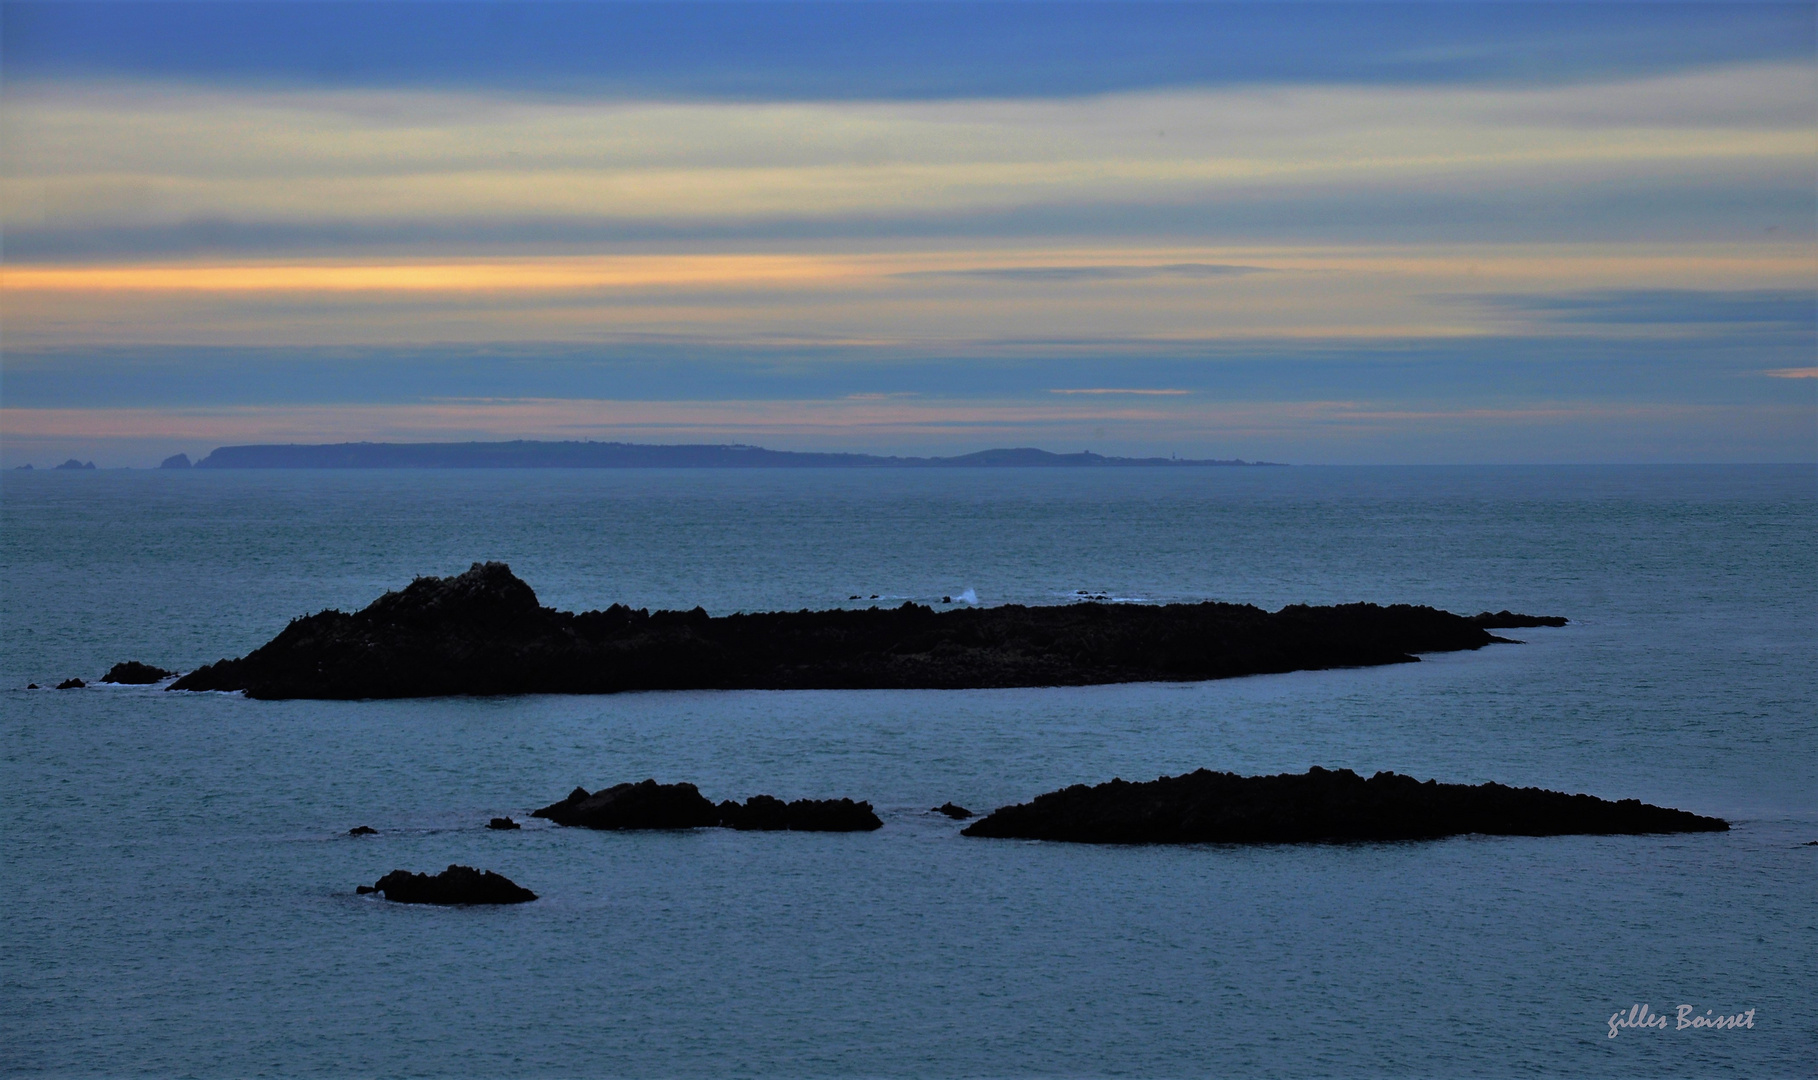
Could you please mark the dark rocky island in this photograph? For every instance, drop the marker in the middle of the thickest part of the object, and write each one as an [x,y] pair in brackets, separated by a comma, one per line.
[483,632]
[455,885]
[1318,806]
[650,805]
[133,673]
[762,813]
[1509,620]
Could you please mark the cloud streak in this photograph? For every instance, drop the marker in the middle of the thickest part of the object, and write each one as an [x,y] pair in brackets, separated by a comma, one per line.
[1047,274]
[1129,238]
[95,156]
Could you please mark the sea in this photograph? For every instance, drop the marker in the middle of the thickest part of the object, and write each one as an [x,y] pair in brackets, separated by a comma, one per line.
[180,882]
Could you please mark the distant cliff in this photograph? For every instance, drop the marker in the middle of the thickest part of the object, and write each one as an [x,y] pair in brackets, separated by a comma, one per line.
[524,454]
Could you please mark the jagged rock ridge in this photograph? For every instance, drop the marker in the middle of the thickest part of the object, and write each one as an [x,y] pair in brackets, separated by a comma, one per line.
[455,885]
[1319,805]
[483,632]
[650,805]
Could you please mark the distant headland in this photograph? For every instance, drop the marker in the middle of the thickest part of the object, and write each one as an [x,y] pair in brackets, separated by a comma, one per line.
[527,454]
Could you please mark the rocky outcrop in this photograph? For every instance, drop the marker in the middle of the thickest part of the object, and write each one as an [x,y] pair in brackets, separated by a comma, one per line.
[648,805]
[455,885]
[175,461]
[762,813]
[503,823]
[73,464]
[362,830]
[957,813]
[1509,620]
[483,632]
[1319,805]
[71,684]
[133,673]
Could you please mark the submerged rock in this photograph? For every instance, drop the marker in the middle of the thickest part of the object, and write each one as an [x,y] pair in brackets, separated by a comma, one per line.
[1509,620]
[768,814]
[362,830]
[1319,805]
[957,813]
[483,632]
[133,673]
[455,885]
[503,823]
[648,805]
[71,684]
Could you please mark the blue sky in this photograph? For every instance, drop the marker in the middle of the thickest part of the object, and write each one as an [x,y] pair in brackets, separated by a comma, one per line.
[1332,233]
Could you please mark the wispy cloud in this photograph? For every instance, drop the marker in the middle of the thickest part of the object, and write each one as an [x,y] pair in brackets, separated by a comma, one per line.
[1120,390]
[1793,373]
[1092,273]
[101,157]
[1679,307]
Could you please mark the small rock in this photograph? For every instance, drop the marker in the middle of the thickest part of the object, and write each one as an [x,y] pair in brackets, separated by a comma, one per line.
[1510,620]
[31,686]
[503,823]
[765,813]
[648,805]
[362,890]
[71,684]
[1810,843]
[133,673]
[362,830]
[455,885]
[946,599]
[957,813]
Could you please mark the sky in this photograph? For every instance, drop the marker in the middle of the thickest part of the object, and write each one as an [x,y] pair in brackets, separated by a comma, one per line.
[1357,233]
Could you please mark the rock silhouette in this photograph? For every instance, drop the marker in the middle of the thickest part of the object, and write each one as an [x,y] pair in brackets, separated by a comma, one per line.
[483,632]
[133,673]
[650,805]
[957,813]
[362,830]
[1319,805]
[71,684]
[767,814]
[1509,620]
[503,823]
[455,885]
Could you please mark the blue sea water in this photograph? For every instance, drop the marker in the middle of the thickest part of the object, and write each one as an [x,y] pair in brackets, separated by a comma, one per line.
[179,881]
